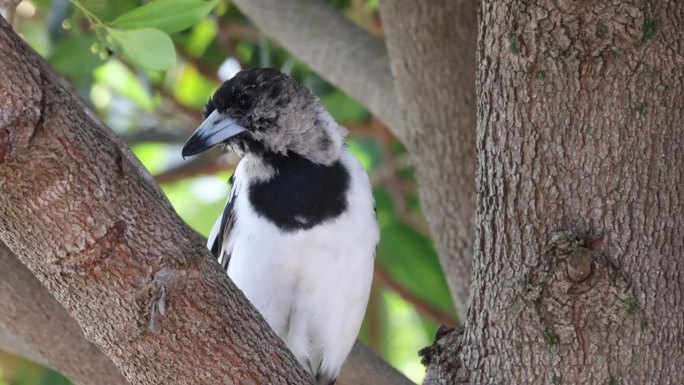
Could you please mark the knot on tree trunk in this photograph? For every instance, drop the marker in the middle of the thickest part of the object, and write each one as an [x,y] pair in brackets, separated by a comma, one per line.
[442,359]
[577,297]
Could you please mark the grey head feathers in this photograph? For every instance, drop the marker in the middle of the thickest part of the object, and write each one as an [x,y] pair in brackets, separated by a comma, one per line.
[279,115]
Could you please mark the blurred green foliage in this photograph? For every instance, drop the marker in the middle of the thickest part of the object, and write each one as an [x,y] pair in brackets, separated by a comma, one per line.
[14,371]
[147,70]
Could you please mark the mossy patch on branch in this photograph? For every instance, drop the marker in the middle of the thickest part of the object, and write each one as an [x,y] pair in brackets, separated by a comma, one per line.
[514,44]
[602,31]
[551,338]
[648,30]
[640,108]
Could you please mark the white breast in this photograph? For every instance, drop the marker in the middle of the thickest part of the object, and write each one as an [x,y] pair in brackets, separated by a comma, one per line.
[311,286]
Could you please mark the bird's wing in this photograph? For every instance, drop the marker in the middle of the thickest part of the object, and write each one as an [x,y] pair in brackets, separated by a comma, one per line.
[222,228]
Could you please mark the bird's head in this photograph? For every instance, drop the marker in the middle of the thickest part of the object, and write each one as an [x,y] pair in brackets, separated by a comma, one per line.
[261,111]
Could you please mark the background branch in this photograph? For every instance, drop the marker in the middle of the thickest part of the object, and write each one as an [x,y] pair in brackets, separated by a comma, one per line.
[148,135]
[35,326]
[204,164]
[439,35]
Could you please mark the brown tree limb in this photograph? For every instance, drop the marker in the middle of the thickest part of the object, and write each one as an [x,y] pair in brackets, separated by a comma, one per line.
[34,325]
[85,217]
[342,52]
[148,135]
[363,367]
[432,50]
[201,165]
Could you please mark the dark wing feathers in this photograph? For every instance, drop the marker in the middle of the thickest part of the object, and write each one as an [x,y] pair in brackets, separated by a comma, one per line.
[227,223]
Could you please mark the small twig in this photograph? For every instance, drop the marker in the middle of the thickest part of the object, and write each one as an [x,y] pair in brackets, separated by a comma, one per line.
[210,163]
[154,135]
[383,277]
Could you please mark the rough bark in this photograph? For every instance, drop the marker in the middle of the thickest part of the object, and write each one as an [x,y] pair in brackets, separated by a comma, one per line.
[84,216]
[34,325]
[578,273]
[432,53]
[343,53]
[363,367]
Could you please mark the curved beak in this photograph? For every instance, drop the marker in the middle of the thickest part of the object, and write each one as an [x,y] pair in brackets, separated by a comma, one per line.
[215,129]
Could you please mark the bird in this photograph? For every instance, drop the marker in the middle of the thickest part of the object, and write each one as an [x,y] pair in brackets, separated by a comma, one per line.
[299,231]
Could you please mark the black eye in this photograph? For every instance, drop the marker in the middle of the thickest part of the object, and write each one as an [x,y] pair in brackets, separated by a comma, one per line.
[243,102]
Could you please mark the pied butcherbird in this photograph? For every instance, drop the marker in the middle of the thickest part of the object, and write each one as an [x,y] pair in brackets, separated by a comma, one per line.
[298,233]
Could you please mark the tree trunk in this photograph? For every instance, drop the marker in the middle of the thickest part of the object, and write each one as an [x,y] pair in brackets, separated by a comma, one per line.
[432,52]
[85,217]
[578,262]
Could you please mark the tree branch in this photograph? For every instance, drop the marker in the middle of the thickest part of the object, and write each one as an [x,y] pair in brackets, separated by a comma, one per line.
[149,135]
[34,325]
[432,44]
[364,367]
[201,165]
[343,53]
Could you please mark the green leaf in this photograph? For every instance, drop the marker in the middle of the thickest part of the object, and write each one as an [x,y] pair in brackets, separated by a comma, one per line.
[148,47]
[166,15]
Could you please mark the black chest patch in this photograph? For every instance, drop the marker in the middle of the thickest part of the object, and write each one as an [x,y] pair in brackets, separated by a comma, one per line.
[302,194]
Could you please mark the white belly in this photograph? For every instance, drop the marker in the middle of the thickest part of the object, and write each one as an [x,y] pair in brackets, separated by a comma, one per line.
[311,286]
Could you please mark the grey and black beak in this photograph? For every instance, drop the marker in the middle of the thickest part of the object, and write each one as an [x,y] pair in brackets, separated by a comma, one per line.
[215,129]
